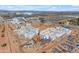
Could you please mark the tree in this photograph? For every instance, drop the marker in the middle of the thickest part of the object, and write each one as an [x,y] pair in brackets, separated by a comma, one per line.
[78,21]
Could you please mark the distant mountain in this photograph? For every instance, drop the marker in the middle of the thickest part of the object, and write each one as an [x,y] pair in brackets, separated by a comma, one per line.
[38,12]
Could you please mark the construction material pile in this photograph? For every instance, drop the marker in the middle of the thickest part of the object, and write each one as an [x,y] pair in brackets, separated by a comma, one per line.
[54,33]
[18,21]
[27,32]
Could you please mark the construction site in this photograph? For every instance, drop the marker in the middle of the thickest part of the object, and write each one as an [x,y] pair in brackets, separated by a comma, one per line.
[39,33]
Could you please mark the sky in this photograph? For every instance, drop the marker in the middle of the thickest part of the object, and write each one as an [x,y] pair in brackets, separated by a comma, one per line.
[40,7]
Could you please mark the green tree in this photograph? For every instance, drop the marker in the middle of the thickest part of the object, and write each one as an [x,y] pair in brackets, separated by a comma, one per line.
[78,21]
